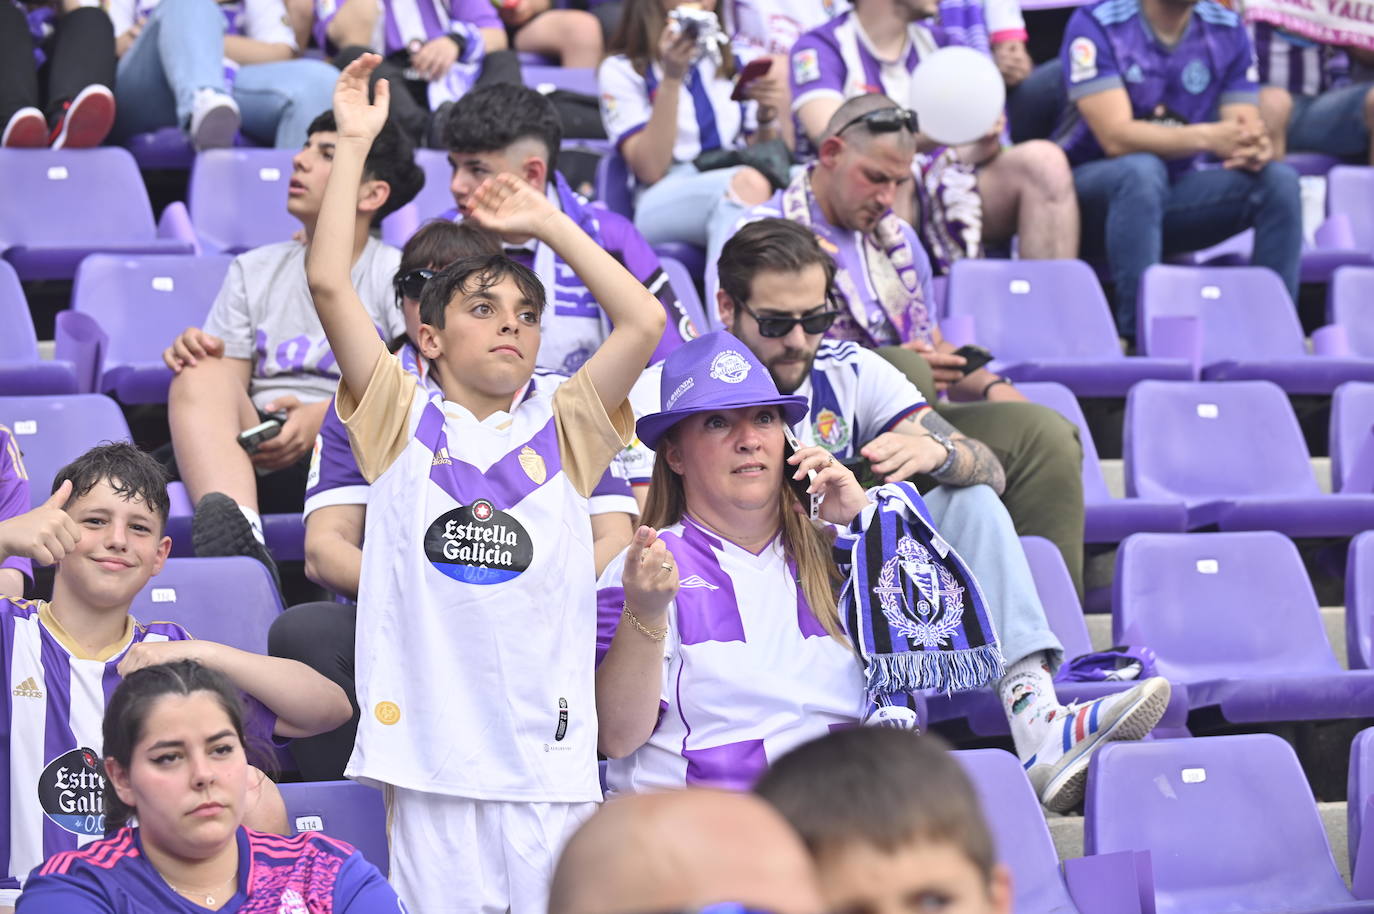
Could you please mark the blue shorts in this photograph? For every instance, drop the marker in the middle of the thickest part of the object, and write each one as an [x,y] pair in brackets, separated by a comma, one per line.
[1332,122]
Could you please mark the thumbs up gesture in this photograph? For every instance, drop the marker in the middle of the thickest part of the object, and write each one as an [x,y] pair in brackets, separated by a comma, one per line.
[45,534]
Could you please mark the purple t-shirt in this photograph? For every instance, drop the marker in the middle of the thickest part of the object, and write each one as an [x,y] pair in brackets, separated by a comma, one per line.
[14,494]
[1110,45]
[307,872]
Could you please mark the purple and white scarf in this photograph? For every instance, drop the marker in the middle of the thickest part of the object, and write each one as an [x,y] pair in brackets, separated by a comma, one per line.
[951,211]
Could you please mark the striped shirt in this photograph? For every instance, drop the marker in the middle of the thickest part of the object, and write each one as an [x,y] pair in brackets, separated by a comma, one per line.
[403,21]
[1300,65]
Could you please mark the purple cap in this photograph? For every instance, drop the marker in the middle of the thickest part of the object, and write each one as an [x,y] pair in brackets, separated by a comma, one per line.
[715,371]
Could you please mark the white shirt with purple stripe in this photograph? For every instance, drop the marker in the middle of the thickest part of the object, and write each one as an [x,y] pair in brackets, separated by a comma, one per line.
[399,22]
[838,61]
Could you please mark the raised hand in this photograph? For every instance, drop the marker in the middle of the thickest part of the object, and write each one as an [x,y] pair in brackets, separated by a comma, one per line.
[357,117]
[46,534]
[842,496]
[650,577]
[510,207]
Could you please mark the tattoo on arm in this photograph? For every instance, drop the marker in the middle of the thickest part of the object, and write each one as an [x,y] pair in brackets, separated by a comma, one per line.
[974,462]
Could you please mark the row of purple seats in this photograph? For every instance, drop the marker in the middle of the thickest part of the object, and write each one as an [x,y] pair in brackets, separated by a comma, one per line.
[1350,306]
[615,191]
[1359,795]
[22,371]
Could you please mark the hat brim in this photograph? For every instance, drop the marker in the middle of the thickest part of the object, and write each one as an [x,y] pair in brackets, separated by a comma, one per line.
[654,426]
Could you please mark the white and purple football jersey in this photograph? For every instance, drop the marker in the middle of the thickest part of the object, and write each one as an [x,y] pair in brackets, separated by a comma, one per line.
[773,26]
[838,61]
[400,22]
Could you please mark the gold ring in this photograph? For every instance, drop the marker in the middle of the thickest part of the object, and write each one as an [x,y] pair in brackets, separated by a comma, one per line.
[667,566]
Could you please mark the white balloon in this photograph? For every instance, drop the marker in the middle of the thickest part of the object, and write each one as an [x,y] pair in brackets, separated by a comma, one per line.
[958,95]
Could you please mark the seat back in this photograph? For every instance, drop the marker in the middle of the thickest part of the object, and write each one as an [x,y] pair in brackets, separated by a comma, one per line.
[434,198]
[237,198]
[1062,400]
[547,78]
[686,292]
[1352,418]
[345,810]
[52,431]
[1350,303]
[1359,602]
[1229,820]
[19,342]
[72,198]
[1359,788]
[1199,442]
[1245,312]
[229,600]
[143,302]
[1034,309]
[1055,588]
[1219,605]
[1350,191]
[613,187]
[1019,830]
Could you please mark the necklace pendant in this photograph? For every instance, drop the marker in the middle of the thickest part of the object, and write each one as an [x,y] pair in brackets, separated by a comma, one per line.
[209,901]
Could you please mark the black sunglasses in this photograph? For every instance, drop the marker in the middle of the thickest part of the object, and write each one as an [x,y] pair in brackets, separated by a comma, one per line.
[774,327]
[885,120]
[411,284]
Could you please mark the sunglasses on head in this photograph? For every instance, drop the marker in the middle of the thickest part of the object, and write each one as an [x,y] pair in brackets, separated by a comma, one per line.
[411,284]
[885,120]
[781,326]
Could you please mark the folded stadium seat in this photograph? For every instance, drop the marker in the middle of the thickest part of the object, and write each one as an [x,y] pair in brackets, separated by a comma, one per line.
[22,371]
[1234,453]
[1229,821]
[237,199]
[1359,791]
[1233,617]
[686,290]
[1249,327]
[1350,192]
[434,199]
[547,79]
[982,708]
[137,306]
[1023,842]
[1352,438]
[1359,602]
[1048,320]
[230,600]
[52,431]
[1350,304]
[283,534]
[168,148]
[1106,519]
[61,204]
[345,810]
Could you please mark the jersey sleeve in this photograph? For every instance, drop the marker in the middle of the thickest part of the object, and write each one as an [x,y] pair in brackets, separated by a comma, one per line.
[817,70]
[1004,19]
[612,495]
[334,477]
[636,462]
[625,103]
[480,13]
[52,888]
[361,889]
[1087,62]
[266,20]
[1239,84]
[14,494]
[229,317]
[588,438]
[380,424]
[610,603]
[886,396]
[626,244]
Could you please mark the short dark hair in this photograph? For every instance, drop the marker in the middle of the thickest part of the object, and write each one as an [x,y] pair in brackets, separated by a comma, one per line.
[769,244]
[439,242]
[880,786]
[492,117]
[476,274]
[130,472]
[132,702]
[390,159]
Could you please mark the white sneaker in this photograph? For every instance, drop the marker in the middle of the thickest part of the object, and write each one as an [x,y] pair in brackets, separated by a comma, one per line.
[1059,769]
[214,120]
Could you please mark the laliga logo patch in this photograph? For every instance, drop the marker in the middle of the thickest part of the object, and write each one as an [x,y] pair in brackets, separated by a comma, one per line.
[477,544]
[729,366]
[72,792]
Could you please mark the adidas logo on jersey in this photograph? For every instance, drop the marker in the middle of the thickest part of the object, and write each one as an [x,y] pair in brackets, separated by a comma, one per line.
[697,581]
[441,458]
[28,689]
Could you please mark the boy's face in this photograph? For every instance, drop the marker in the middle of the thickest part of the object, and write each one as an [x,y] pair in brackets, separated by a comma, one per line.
[921,877]
[121,547]
[489,340]
[524,158]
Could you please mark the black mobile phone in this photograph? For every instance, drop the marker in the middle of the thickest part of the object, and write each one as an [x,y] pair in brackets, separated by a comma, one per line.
[251,439]
[790,446]
[975,357]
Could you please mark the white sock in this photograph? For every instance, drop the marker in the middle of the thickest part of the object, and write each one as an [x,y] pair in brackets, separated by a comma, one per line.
[1027,693]
[255,522]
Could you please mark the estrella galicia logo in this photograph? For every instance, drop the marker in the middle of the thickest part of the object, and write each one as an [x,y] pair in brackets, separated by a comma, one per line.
[477,544]
[1196,76]
[71,792]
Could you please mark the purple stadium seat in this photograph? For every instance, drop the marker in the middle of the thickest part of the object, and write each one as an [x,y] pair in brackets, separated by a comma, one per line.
[434,199]
[1350,192]
[284,535]
[1229,820]
[1359,602]
[1048,320]
[21,369]
[237,198]
[1350,304]
[1359,789]
[52,431]
[345,810]
[613,187]
[61,204]
[1234,453]
[169,148]
[1352,438]
[1250,327]
[687,294]
[1233,617]
[229,600]
[140,304]
[1107,519]
[570,79]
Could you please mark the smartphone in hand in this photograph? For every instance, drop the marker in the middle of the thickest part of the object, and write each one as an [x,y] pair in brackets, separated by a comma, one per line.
[755,68]
[252,439]
[790,446]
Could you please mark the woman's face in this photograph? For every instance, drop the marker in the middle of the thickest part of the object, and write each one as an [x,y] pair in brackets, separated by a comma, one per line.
[187,776]
[729,459]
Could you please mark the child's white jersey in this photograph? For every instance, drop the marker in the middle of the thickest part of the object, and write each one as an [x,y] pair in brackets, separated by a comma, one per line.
[477,604]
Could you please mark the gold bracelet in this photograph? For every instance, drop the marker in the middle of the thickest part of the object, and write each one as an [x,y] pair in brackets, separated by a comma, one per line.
[653,634]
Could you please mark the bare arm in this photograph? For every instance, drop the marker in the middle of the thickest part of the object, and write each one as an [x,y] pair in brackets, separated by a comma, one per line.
[354,23]
[1108,114]
[650,151]
[974,462]
[815,114]
[12,582]
[244,50]
[334,547]
[611,533]
[494,39]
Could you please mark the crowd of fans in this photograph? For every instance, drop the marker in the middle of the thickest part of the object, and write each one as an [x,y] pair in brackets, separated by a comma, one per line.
[559,519]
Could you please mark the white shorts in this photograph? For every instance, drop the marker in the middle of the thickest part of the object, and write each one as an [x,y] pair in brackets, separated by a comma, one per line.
[453,855]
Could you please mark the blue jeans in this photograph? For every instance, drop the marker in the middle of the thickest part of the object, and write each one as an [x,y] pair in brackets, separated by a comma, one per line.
[181,50]
[690,206]
[1332,122]
[1134,214]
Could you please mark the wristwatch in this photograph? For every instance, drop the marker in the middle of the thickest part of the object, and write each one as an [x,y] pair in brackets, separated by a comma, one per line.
[949,454]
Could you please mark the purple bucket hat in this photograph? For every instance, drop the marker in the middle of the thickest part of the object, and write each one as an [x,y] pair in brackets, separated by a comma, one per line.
[715,371]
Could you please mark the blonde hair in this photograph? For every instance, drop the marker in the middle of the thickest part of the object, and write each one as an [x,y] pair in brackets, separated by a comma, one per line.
[805,542]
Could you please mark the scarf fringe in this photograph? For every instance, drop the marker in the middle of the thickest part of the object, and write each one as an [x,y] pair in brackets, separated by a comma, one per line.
[946,671]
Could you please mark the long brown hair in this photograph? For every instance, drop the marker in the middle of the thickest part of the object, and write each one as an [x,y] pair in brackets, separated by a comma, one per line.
[641,22]
[804,542]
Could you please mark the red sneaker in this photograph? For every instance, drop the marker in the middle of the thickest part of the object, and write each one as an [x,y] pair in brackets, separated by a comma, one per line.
[26,130]
[86,119]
